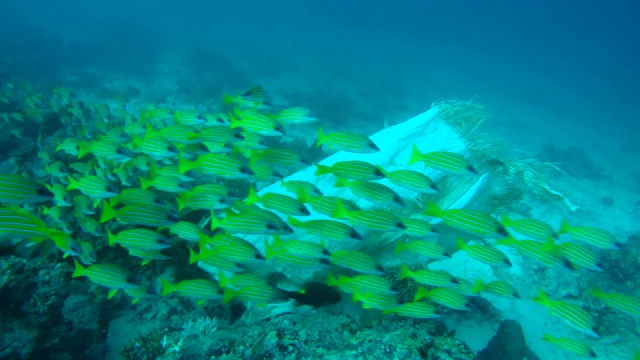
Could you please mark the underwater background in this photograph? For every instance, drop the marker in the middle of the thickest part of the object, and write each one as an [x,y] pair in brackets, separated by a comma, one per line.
[544,94]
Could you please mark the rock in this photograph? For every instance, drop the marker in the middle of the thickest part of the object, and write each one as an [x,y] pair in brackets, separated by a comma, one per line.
[507,344]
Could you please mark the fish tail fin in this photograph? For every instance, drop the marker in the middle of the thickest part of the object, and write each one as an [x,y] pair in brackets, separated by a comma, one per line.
[332,281]
[357,296]
[224,281]
[340,211]
[383,171]
[389,311]
[565,227]
[421,293]
[83,149]
[322,138]
[477,287]
[194,257]
[73,184]
[166,287]
[111,238]
[460,244]
[151,132]
[273,249]
[341,183]
[215,223]
[542,298]
[185,165]
[108,213]
[145,183]
[181,201]
[204,239]
[254,156]
[112,293]
[295,222]
[303,196]
[400,247]
[549,245]
[405,272]
[433,209]
[253,197]
[79,270]
[136,142]
[507,241]
[597,293]
[228,295]
[234,120]
[227,99]
[322,170]
[416,155]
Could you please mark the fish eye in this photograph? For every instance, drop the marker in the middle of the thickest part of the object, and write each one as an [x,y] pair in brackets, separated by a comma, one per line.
[200,117]
[76,248]
[173,217]
[246,170]
[172,148]
[44,192]
[280,128]
[271,226]
[304,210]
[203,148]
[159,201]
[502,231]
[238,136]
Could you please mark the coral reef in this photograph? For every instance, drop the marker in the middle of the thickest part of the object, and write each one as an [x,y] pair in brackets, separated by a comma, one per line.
[32,294]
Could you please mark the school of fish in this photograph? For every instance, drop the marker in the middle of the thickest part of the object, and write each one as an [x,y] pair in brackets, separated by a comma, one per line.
[165,178]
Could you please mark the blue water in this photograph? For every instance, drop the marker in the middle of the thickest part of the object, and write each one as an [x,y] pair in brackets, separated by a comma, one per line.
[551,72]
[578,62]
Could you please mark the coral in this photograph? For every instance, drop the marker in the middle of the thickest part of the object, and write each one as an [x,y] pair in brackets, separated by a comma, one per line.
[201,327]
[32,293]
[406,288]
[145,346]
[445,348]
[293,336]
